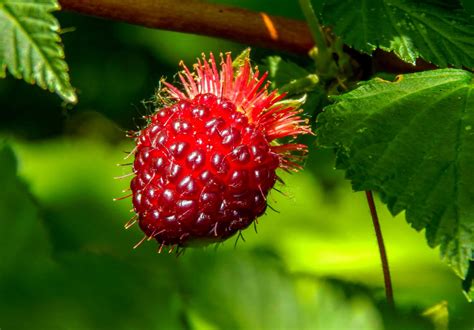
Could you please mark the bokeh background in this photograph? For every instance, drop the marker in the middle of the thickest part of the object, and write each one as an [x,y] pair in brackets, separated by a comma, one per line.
[67,262]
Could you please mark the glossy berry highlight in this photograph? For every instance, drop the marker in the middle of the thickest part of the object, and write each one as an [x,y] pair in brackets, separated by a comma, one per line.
[208,157]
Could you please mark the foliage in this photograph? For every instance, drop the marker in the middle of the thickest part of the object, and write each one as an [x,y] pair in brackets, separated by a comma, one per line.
[66,259]
[70,272]
[438,31]
[289,77]
[467,284]
[411,140]
[30,45]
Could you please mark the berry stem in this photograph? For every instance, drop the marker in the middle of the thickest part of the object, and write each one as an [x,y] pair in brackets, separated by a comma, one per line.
[383,254]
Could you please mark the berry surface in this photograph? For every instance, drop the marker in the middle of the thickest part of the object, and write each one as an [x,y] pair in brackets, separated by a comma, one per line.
[203,172]
[207,159]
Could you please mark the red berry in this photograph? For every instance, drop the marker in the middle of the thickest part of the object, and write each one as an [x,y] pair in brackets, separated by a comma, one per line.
[205,164]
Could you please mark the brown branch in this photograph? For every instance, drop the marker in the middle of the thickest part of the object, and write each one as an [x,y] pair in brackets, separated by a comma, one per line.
[237,24]
[199,17]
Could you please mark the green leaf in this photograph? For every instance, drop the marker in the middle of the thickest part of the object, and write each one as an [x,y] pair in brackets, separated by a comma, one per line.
[23,237]
[97,275]
[37,278]
[268,297]
[296,81]
[438,315]
[468,5]
[437,32]
[413,141]
[30,45]
[240,60]
[468,282]
[288,76]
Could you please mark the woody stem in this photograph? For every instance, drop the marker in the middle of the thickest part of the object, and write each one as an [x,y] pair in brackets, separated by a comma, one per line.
[200,17]
[232,23]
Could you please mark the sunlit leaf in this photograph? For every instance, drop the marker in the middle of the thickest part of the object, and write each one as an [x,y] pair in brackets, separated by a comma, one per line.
[438,315]
[413,141]
[30,45]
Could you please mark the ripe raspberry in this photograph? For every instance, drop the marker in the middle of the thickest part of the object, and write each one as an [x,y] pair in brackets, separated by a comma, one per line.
[205,163]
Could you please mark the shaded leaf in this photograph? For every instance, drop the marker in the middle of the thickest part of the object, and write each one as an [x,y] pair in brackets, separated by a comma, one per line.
[30,45]
[438,32]
[98,281]
[296,81]
[269,298]
[86,288]
[413,141]
[468,5]
[23,237]
[289,77]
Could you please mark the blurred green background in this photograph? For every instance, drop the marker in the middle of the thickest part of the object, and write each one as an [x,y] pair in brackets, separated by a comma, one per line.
[67,262]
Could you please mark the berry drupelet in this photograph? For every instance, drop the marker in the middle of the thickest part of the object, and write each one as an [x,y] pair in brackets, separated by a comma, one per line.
[207,159]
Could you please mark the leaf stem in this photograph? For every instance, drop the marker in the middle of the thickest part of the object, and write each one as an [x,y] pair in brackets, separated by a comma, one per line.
[322,53]
[314,26]
[383,254]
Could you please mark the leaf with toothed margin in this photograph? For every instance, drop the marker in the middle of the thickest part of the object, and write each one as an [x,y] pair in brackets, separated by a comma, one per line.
[440,32]
[30,46]
[412,140]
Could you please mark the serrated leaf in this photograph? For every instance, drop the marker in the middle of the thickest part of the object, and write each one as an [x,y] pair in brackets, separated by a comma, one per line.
[30,45]
[435,31]
[413,141]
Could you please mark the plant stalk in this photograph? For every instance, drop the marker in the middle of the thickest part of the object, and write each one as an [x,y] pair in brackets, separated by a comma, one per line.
[383,254]
[203,18]
[231,23]
[314,26]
